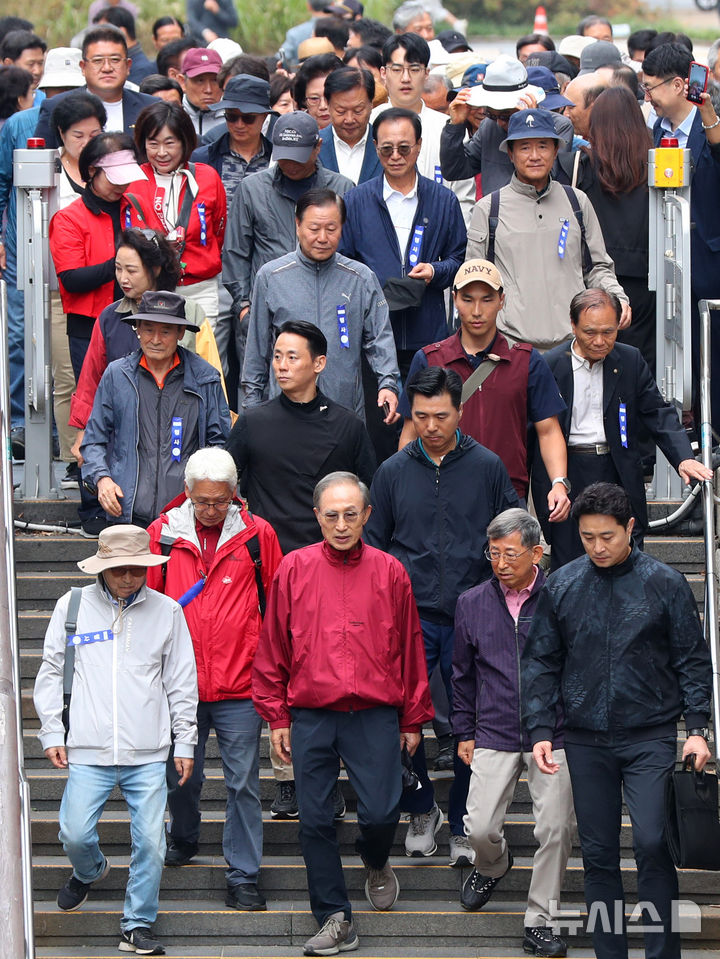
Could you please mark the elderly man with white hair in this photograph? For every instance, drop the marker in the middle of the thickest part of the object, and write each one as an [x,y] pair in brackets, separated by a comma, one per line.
[221,563]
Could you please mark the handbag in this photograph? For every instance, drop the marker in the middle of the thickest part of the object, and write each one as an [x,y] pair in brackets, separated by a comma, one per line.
[692,825]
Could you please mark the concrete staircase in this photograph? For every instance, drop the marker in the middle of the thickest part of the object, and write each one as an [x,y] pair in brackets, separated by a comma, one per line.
[194,922]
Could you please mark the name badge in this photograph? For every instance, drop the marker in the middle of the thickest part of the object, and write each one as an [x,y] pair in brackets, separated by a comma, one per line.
[176,432]
[622,420]
[128,218]
[343,331]
[203,223]
[416,246]
[438,175]
[82,639]
[562,239]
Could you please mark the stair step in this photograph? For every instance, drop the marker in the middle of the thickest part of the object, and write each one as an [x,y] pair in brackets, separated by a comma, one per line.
[281,952]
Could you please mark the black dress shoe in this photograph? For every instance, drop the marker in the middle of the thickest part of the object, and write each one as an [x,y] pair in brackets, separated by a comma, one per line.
[478,889]
[542,941]
[245,897]
[180,853]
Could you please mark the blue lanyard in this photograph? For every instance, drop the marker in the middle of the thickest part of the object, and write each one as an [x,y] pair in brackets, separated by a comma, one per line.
[416,246]
[343,331]
[176,435]
[438,175]
[562,239]
[82,639]
[622,420]
[203,223]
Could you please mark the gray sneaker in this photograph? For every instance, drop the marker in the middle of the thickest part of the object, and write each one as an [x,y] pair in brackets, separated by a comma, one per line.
[422,829]
[461,852]
[381,887]
[336,935]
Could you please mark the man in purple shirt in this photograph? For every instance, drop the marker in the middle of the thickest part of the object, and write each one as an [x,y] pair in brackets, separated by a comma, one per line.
[491,624]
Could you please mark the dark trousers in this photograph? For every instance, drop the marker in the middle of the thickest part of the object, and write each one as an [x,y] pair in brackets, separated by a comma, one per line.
[368,742]
[439,642]
[600,776]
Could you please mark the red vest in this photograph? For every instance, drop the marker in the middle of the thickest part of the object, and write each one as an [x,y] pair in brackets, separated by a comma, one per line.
[495,415]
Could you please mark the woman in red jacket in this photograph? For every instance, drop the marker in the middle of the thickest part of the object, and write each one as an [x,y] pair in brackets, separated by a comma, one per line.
[83,237]
[184,201]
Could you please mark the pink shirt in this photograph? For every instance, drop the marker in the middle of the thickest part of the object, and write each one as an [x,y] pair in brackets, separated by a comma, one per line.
[514,598]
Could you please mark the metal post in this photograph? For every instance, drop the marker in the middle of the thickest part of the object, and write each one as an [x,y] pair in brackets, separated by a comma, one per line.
[711,558]
[16,859]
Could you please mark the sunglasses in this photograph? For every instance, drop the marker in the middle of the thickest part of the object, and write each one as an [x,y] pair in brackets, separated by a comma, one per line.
[234,116]
[404,149]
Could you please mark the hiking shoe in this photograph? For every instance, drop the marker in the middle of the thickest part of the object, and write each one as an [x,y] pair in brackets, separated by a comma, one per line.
[180,853]
[422,829]
[338,803]
[381,887]
[245,896]
[445,759]
[542,941]
[461,852]
[74,893]
[140,940]
[478,889]
[284,805]
[336,935]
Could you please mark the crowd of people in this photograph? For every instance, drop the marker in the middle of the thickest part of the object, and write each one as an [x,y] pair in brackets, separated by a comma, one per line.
[329,323]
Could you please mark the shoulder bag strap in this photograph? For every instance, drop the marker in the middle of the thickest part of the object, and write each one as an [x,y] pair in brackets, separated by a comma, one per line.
[477,378]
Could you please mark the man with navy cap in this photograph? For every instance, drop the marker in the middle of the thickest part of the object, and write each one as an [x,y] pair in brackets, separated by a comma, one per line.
[542,235]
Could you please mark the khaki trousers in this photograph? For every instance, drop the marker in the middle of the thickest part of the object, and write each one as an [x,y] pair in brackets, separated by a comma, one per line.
[494,775]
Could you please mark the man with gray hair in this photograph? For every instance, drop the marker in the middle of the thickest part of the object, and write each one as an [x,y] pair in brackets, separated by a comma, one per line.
[413,17]
[340,675]
[492,621]
[221,563]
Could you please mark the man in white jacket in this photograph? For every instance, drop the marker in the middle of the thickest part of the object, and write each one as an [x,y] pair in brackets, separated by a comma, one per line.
[133,684]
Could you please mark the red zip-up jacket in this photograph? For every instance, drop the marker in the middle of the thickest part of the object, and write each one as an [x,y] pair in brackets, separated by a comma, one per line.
[223,619]
[341,632]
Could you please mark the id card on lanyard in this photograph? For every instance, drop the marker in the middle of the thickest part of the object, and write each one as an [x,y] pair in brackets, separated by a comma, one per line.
[176,435]
[343,331]
[416,246]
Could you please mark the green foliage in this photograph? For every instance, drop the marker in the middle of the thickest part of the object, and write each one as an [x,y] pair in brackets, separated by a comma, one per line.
[563,15]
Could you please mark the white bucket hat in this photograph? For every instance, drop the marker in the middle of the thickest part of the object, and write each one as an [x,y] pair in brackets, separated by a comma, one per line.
[62,68]
[505,81]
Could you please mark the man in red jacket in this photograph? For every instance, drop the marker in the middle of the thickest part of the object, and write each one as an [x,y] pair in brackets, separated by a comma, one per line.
[214,546]
[341,663]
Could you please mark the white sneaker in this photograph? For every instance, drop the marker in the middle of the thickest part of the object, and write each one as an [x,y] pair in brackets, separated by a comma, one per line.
[461,852]
[422,829]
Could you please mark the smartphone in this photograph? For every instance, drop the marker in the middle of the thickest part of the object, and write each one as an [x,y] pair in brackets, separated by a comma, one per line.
[697,82]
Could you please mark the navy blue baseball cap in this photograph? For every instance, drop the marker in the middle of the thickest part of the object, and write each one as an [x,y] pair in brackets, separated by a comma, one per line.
[542,77]
[530,125]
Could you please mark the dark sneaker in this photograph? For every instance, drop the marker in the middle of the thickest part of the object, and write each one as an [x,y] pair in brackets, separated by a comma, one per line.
[284,805]
[338,803]
[180,853]
[381,887]
[445,759]
[17,442]
[422,829]
[74,893]
[336,935]
[542,941]
[92,528]
[478,889]
[140,940]
[245,897]
[71,479]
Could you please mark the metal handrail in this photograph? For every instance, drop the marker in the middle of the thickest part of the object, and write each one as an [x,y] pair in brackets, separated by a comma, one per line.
[711,556]
[15,837]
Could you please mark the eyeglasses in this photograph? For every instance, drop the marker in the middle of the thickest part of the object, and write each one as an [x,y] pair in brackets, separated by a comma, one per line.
[495,555]
[398,69]
[498,117]
[350,517]
[114,61]
[645,89]
[233,116]
[222,506]
[314,100]
[403,149]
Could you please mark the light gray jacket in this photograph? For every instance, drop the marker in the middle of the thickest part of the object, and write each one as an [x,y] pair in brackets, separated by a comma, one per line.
[294,287]
[129,691]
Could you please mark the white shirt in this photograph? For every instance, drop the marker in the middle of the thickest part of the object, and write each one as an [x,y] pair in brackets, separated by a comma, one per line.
[114,115]
[586,421]
[402,209]
[683,131]
[350,159]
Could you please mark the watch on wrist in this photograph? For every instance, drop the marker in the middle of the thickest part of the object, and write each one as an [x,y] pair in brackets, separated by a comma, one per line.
[564,480]
[699,731]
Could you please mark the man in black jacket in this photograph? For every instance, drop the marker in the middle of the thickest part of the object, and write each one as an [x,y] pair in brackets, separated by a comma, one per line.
[617,635]
[609,392]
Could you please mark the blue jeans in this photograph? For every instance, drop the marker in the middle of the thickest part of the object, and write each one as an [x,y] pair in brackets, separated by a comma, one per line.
[144,790]
[16,339]
[237,727]
[439,642]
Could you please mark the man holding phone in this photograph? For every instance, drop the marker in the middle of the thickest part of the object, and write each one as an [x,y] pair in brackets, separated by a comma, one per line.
[696,128]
